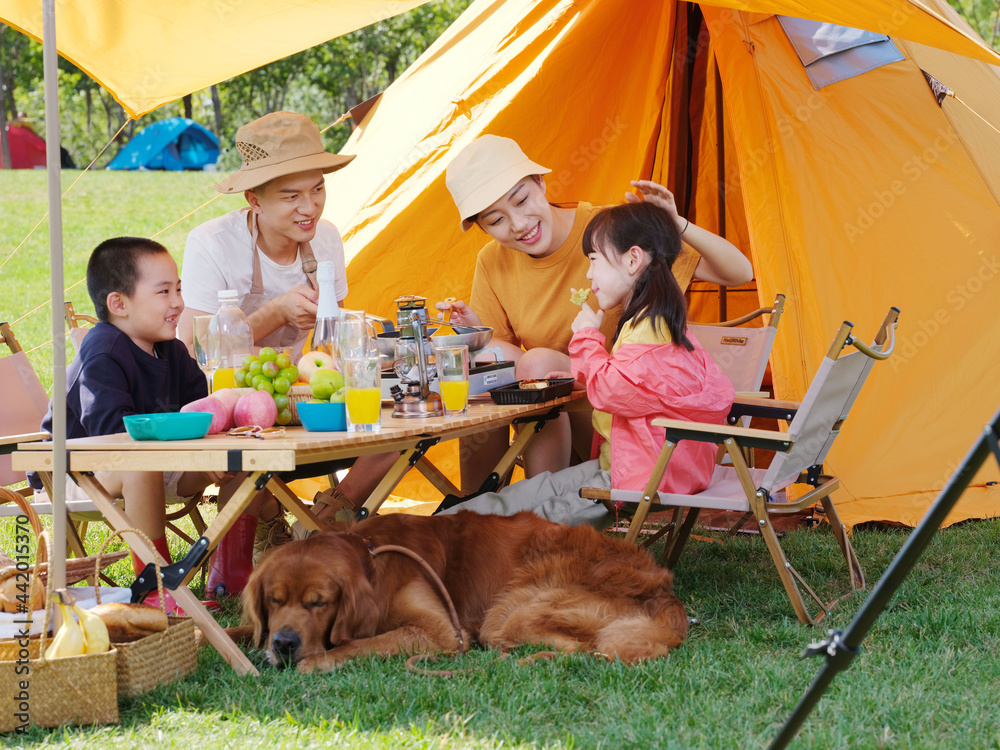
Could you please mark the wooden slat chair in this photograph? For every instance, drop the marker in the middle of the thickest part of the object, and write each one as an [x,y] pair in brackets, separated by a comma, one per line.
[188,508]
[800,452]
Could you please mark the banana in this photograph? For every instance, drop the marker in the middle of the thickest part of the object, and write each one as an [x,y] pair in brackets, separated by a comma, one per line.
[69,641]
[95,632]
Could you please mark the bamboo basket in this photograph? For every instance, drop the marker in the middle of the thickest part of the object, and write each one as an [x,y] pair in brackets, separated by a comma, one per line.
[44,692]
[157,659]
[296,395]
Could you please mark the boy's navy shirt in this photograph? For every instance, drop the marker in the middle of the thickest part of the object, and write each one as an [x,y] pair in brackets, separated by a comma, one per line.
[111,378]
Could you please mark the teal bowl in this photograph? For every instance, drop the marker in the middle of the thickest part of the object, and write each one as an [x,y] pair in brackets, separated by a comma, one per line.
[322,416]
[170,426]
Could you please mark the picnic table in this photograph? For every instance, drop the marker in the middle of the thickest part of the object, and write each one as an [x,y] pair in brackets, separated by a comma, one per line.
[263,460]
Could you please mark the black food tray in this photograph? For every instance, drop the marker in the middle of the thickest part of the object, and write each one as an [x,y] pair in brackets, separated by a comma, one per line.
[512,393]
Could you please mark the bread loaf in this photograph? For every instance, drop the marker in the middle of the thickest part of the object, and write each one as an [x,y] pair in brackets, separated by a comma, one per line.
[130,622]
[14,587]
[533,385]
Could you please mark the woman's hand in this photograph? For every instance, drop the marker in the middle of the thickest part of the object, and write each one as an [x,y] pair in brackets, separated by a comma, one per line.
[587,318]
[655,193]
[461,313]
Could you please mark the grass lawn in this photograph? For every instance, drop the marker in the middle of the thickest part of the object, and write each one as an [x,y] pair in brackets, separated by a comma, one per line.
[928,677]
[102,205]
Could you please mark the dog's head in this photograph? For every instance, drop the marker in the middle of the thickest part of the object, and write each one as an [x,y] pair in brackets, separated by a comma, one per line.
[308,596]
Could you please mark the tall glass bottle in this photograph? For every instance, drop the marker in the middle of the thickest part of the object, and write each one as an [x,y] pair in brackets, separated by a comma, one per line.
[235,336]
[324,336]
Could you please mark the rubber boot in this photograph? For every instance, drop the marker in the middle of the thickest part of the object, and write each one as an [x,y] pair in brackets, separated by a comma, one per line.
[232,562]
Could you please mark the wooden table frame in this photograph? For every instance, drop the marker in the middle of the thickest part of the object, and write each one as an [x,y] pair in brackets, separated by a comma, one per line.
[261,460]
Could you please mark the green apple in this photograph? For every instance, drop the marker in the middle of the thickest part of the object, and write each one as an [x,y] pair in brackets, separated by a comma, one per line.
[338,396]
[325,382]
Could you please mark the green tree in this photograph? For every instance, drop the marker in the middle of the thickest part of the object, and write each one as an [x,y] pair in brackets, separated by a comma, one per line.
[983,16]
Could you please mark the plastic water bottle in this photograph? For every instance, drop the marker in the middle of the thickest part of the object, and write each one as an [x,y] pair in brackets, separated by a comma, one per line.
[235,336]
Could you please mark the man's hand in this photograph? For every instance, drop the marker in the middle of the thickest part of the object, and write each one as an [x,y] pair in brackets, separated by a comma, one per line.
[298,306]
[461,313]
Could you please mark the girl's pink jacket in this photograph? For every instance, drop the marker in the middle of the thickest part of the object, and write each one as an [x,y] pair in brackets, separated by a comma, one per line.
[640,382]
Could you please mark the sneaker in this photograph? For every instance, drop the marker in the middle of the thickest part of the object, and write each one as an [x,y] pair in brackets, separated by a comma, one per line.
[269,534]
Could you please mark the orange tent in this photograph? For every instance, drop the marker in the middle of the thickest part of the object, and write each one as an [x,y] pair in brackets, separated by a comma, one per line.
[822,152]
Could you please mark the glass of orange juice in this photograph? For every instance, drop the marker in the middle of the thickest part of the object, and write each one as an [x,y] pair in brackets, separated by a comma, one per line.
[363,393]
[453,379]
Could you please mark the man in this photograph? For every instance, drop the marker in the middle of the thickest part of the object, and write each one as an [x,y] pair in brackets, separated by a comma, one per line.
[268,252]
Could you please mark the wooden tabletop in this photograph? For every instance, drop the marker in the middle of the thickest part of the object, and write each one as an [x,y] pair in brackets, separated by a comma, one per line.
[297,446]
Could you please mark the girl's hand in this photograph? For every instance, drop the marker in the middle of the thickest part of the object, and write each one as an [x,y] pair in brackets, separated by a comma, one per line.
[461,313]
[562,374]
[655,193]
[587,318]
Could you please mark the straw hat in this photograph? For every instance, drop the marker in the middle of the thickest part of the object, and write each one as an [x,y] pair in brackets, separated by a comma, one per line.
[484,171]
[275,145]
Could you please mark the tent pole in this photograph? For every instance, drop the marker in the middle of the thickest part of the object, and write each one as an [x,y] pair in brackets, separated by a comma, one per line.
[840,647]
[720,175]
[53,163]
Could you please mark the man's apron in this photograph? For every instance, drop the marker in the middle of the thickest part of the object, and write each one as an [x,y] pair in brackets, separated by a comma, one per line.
[288,335]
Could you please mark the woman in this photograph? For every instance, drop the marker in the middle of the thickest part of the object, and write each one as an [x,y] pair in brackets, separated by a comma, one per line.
[524,275]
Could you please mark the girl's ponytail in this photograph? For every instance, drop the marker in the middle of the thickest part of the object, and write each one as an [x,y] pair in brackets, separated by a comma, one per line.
[656,294]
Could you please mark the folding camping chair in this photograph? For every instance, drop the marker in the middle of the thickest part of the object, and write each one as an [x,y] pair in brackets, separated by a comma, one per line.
[742,355]
[800,452]
[24,407]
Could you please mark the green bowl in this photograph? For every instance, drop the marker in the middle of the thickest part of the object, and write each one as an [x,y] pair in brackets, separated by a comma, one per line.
[170,426]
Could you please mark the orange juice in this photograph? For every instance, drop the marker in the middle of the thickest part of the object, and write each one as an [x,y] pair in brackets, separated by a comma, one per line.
[364,405]
[224,378]
[455,394]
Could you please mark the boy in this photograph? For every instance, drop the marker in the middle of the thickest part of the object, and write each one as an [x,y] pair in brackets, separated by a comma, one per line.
[131,363]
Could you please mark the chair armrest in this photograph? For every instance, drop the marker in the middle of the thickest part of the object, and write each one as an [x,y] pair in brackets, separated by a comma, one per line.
[769,408]
[678,429]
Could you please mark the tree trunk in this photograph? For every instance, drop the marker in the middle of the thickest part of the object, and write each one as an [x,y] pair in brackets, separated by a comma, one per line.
[188,107]
[89,98]
[4,143]
[217,106]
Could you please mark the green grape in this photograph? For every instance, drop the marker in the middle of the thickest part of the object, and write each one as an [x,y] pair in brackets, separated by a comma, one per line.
[269,370]
[281,385]
[248,360]
[254,380]
[291,374]
[281,401]
[284,360]
[284,417]
[241,378]
[265,385]
[267,354]
[254,368]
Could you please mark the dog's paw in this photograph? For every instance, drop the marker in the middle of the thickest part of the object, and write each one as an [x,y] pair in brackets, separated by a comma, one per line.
[318,663]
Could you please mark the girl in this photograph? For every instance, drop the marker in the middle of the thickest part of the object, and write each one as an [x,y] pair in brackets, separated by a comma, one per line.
[522,275]
[655,369]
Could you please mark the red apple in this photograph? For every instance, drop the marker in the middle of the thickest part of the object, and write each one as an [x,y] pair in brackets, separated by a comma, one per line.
[255,408]
[221,404]
[312,361]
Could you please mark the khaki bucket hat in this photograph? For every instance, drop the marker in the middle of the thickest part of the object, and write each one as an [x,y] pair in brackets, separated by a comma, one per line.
[484,171]
[276,145]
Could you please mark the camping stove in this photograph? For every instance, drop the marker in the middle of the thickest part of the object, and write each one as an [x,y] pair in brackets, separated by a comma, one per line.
[412,364]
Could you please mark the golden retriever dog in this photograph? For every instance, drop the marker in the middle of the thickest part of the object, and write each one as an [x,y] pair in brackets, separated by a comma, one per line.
[514,580]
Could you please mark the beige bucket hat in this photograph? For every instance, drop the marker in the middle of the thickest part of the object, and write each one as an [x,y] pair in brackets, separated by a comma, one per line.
[484,171]
[275,145]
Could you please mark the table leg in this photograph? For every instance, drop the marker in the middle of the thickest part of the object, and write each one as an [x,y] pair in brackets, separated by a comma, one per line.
[182,594]
[391,479]
[293,504]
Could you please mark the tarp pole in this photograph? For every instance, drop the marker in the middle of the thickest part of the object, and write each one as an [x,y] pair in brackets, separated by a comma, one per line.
[53,164]
[840,647]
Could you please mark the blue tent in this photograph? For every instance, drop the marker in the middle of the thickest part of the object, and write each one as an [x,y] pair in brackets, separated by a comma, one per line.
[175,143]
